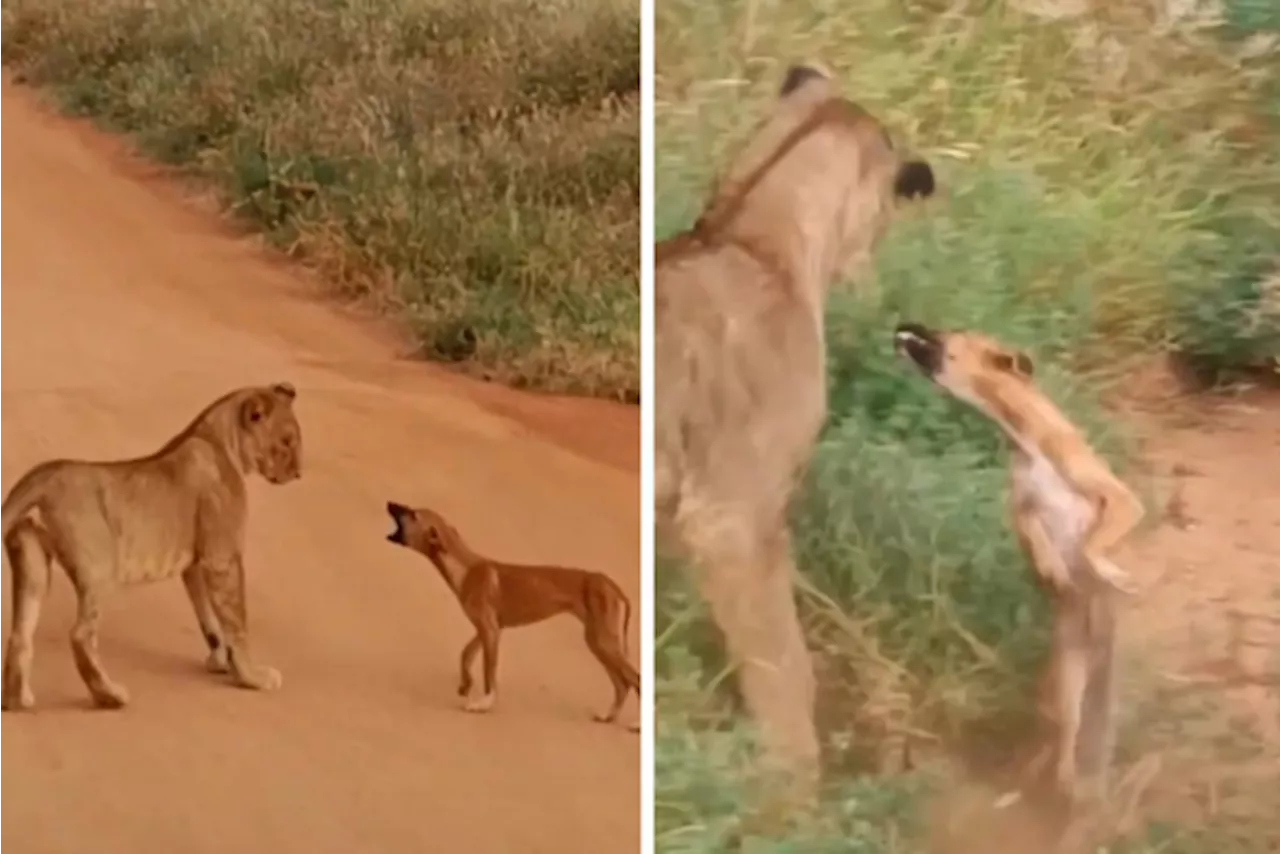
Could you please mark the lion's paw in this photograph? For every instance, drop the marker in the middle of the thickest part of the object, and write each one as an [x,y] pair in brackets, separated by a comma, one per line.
[110,695]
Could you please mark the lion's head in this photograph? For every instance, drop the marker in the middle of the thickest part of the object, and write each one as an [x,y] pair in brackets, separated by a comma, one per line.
[271,438]
[816,185]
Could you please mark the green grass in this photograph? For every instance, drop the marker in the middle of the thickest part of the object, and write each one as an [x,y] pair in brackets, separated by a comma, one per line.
[1095,217]
[472,168]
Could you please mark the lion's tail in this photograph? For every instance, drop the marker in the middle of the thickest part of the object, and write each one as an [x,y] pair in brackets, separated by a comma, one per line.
[28,492]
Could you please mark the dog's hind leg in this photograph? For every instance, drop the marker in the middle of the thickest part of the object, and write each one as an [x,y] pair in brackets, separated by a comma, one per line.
[624,677]
[620,686]
[604,620]
[1096,742]
[1071,680]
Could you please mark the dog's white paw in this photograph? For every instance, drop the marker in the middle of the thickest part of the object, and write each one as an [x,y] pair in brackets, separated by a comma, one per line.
[480,704]
[1115,576]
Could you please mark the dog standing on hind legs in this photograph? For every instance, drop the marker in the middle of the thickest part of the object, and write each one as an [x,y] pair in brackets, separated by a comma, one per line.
[740,370]
[1069,512]
[496,596]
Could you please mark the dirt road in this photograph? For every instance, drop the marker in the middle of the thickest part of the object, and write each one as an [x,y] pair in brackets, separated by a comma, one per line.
[124,313]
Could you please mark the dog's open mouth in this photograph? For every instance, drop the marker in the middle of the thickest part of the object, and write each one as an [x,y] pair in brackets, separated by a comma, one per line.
[397,512]
[920,345]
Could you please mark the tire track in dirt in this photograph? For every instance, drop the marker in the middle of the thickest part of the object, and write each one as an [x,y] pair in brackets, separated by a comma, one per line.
[125,311]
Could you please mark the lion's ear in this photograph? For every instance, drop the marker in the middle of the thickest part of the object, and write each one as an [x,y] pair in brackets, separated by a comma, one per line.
[285,390]
[255,408]
[914,180]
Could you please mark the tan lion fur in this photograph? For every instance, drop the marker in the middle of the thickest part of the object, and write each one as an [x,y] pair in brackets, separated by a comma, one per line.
[741,381]
[179,511]
[495,596]
[1069,512]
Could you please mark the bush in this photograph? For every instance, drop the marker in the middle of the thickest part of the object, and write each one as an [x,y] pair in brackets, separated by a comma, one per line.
[474,167]
[1089,172]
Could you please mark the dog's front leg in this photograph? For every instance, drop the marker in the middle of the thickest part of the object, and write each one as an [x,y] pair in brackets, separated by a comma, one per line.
[488,633]
[1118,512]
[468,657]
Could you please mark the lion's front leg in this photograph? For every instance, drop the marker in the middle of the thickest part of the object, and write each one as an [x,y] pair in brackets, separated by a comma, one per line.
[193,580]
[745,574]
[224,581]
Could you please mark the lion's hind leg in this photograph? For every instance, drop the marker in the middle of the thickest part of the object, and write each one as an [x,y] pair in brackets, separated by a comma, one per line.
[29,561]
[106,692]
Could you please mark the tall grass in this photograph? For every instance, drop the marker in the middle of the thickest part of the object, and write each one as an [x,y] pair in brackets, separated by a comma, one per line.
[1111,191]
[473,167]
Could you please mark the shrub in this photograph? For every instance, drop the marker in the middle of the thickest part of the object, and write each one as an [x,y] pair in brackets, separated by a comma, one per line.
[474,167]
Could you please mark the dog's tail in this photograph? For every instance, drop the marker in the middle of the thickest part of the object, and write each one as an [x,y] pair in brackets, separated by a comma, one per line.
[626,624]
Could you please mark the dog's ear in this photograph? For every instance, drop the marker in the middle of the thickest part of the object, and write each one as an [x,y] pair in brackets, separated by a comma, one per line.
[1016,362]
[797,76]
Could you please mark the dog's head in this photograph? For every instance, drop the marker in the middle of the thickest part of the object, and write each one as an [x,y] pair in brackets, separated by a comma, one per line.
[970,366]
[420,529]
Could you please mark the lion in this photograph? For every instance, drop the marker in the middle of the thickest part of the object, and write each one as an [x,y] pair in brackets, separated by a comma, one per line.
[740,370]
[1069,512]
[179,511]
[497,596]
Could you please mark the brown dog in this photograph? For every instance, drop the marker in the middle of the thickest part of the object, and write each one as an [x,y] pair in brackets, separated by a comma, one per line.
[497,596]
[1069,512]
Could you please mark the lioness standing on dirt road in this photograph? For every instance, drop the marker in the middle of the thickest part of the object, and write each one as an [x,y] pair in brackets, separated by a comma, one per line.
[115,524]
[740,375]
